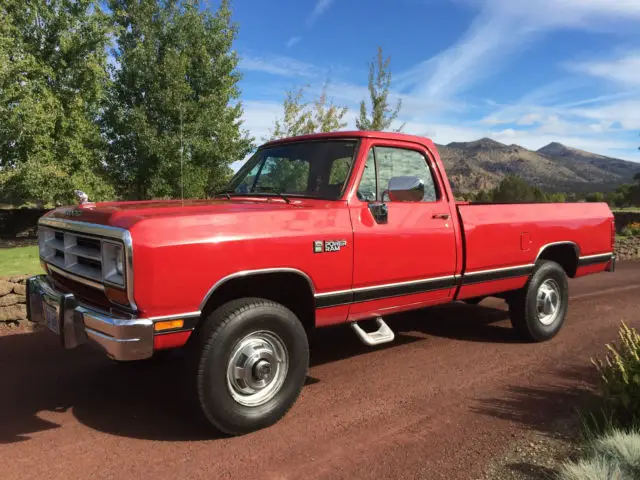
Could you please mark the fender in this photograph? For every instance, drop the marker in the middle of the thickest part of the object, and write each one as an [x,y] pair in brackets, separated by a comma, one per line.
[250,273]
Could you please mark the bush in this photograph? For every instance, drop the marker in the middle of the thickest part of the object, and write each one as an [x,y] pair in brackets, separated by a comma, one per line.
[620,375]
[615,455]
[631,230]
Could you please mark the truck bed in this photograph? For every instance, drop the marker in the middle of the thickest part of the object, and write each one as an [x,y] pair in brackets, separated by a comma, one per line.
[504,240]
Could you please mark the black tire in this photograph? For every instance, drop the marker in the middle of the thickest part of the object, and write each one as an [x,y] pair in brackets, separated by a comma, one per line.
[217,340]
[523,305]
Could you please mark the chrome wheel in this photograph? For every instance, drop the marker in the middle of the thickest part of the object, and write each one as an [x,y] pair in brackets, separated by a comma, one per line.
[257,368]
[548,302]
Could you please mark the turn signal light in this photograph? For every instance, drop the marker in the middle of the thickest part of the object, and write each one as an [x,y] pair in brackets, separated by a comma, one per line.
[168,325]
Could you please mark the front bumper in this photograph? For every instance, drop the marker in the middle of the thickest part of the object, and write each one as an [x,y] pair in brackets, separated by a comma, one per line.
[121,338]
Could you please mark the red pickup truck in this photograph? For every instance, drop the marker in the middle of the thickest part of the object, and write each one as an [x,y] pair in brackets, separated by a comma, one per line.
[312,231]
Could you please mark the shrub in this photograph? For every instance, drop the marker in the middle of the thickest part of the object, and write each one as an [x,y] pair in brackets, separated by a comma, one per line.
[631,230]
[620,375]
[615,455]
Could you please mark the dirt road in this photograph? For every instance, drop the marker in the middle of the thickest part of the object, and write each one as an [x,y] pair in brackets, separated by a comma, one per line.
[451,393]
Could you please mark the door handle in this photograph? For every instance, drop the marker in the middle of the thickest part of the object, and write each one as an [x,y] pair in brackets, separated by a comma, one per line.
[441,216]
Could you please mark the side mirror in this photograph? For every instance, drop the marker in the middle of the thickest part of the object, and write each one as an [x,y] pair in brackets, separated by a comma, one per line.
[406,189]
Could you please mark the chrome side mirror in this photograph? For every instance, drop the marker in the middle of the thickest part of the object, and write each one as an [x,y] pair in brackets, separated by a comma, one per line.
[406,189]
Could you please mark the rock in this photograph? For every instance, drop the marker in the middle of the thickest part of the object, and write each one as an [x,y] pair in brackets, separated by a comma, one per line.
[19,278]
[20,289]
[12,299]
[5,287]
[13,313]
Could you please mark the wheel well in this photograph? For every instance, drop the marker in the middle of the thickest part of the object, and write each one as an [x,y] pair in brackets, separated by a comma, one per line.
[565,254]
[287,288]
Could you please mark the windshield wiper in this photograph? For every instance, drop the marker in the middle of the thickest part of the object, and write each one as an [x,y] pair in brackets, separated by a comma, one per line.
[226,193]
[230,193]
[283,196]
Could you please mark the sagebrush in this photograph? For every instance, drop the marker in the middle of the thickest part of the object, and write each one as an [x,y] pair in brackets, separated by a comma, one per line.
[614,456]
[620,374]
[631,230]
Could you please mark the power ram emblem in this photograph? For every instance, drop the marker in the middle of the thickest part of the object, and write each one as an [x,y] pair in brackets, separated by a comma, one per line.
[328,245]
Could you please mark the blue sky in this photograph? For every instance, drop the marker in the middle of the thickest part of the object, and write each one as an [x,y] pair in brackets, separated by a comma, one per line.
[519,71]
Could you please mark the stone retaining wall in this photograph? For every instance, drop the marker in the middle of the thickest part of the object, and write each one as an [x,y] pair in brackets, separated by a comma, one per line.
[13,308]
[628,248]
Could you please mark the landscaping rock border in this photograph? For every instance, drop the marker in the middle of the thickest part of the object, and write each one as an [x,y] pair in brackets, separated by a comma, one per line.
[13,300]
[628,248]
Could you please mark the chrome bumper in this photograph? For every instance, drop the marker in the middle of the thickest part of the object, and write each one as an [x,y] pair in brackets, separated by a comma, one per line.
[76,324]
[611,266]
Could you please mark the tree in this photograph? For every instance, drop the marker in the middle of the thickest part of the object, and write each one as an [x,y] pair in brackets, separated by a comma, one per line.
[301,117]
[513,189]
[557,197]
[52,83]
[382,115]
[595,197]
[483,196]
[173,118]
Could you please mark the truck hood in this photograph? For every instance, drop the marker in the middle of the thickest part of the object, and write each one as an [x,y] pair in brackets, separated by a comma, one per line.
[127,214]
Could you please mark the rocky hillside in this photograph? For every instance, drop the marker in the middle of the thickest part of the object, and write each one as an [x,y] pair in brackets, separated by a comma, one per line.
[482,164]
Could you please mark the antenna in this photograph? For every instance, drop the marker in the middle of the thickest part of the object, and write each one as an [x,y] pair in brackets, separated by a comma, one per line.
[181,161]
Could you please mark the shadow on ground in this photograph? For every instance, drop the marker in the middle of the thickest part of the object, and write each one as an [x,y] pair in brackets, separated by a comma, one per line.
[150,399]
[539,407]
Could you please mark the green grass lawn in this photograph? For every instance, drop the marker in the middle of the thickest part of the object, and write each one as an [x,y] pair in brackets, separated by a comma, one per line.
[19,260]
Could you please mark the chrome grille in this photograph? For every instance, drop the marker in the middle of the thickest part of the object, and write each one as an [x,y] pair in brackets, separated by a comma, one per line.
[73,252]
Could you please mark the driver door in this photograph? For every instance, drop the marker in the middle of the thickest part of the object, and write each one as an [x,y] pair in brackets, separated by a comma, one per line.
[409,257]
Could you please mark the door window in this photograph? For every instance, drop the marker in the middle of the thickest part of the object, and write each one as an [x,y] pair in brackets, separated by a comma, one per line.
[384,163]
[368,187]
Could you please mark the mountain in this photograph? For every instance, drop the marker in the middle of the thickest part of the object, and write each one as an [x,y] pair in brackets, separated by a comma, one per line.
[592,167]
[481,164]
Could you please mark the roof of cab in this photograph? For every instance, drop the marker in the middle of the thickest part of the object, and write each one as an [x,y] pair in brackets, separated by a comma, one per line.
[357,134]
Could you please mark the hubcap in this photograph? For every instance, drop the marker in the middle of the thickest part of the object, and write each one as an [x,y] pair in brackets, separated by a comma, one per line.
[257,368]
[548,302]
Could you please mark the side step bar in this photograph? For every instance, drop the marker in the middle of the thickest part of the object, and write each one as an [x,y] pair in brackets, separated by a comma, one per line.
[383,335]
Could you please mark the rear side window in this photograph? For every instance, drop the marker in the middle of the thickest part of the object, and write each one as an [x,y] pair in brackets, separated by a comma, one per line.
[384,163]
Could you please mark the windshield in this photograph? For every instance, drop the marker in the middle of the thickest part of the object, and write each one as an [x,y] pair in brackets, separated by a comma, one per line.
[310,169]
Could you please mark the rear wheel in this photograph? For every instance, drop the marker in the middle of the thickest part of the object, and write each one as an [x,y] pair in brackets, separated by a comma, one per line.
[538,311]
[252,360]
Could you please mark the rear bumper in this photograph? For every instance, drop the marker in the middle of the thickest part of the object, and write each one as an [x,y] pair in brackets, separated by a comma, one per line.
[120,338]
[611,266]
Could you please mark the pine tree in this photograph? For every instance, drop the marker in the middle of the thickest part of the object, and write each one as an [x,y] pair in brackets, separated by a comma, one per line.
[382,115]
[173,118]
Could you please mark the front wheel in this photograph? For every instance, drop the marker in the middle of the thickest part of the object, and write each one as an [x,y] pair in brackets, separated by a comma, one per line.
[252,361]
[538,311]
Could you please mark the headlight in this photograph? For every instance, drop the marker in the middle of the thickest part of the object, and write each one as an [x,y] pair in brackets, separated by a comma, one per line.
[113,263]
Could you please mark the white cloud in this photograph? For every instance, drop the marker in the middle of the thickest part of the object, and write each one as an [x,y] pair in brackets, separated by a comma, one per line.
[625,113]
[624,70]
[293,41]
[320,7]
[503,28]
[279,65]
